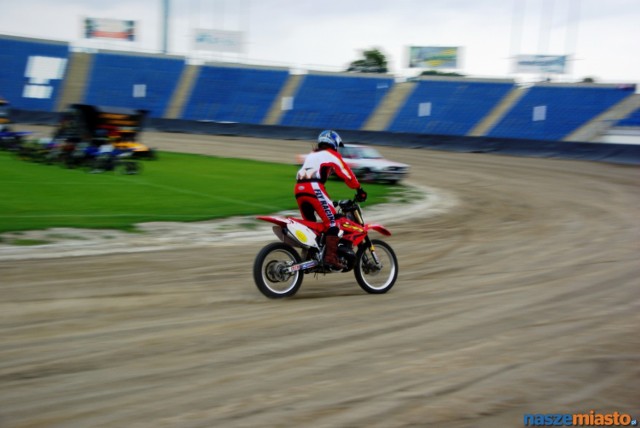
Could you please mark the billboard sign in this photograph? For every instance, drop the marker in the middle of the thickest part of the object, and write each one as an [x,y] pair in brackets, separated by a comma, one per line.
[104,28]
[434,57]
[553,64]
[218,41]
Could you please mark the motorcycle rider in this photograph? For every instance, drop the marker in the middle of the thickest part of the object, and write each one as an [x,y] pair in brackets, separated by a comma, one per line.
[312,196]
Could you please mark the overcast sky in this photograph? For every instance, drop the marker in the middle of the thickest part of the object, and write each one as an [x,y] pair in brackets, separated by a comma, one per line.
[602,36]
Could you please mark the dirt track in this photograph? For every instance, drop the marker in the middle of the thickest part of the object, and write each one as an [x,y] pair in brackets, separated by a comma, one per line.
[523,299]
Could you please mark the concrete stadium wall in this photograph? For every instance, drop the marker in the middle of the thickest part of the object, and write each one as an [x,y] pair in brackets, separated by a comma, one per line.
[601,152]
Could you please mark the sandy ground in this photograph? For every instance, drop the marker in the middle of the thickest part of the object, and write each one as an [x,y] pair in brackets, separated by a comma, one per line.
[518,293]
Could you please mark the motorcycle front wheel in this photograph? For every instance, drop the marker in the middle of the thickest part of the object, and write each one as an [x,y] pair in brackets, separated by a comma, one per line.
[269,271]
[374,277]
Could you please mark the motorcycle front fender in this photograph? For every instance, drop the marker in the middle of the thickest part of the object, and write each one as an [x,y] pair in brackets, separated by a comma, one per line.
[379,228]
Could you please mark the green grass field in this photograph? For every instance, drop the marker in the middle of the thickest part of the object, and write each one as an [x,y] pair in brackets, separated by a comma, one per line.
[177,187]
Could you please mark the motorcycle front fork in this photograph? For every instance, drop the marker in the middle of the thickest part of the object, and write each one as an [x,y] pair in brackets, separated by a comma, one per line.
[372,250]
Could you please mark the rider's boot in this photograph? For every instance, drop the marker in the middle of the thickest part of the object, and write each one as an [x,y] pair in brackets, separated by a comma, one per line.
[331,252]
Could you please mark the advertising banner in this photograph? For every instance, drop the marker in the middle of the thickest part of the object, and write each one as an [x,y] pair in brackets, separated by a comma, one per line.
[554,64]
[218,41]
[434,57]
[104,28]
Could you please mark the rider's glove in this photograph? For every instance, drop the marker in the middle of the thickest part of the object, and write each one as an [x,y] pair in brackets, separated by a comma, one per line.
[361,195]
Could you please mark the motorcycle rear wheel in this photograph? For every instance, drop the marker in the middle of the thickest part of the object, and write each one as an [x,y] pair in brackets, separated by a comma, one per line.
[372,278]
[268,271]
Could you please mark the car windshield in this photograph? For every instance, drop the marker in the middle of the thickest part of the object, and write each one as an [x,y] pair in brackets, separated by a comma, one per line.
[362,153]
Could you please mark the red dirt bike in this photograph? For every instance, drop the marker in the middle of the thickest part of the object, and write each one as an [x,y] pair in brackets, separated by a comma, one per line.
[279,268]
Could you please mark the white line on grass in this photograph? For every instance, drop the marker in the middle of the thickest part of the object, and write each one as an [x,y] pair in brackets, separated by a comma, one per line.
[204,195]
[174,189]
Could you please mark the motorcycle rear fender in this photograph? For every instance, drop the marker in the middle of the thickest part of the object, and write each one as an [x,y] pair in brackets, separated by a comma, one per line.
[280,221]
[298,233]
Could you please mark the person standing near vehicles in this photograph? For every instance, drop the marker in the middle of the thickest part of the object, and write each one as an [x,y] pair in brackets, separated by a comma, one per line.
[312,196]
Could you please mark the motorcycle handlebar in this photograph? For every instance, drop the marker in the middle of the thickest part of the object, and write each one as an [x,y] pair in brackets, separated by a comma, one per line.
[345,204]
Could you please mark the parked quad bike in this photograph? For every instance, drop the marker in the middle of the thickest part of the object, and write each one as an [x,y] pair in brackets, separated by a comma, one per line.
[279,267]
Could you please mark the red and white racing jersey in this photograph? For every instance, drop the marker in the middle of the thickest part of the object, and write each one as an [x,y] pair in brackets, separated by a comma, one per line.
[319,165]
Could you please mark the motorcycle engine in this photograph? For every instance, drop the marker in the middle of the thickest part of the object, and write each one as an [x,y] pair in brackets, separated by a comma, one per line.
[346,252]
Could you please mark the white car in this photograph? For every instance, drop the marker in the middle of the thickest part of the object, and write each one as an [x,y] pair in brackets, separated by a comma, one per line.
[369,165]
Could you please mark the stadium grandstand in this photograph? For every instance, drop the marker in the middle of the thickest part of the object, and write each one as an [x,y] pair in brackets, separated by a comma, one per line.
[233,93]
[42,76]
[133,81]
[343,101]
[449,107]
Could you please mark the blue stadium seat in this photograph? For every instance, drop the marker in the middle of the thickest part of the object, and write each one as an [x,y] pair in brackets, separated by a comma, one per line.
[234,94]
[339,102]
[563,110]
[32,72]
[139,82]
[633,119]
[444,107]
